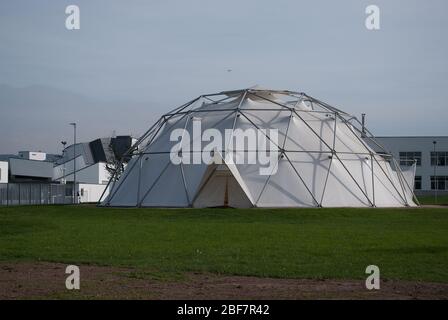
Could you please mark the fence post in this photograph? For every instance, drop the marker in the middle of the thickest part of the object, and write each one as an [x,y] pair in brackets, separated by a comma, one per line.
[7,194]
[19,195]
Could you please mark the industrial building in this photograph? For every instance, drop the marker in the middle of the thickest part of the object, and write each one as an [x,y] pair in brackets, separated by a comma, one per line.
[29,167]
[4,171]
[30,170]
[429,153]
[89,162]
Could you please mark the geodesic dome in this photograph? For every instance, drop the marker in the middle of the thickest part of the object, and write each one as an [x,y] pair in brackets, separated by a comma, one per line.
[321,157]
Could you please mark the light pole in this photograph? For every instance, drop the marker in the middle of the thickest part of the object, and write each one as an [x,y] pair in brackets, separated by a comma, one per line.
[74,161]
[435,172]
[63,165]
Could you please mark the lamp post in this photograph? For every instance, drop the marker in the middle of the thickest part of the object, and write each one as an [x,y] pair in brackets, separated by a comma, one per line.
[74,162]
[63,165]
[435,172]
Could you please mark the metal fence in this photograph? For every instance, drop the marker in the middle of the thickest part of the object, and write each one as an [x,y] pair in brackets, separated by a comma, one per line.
[30,193]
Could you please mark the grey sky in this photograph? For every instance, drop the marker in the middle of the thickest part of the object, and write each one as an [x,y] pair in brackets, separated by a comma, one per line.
[133,60]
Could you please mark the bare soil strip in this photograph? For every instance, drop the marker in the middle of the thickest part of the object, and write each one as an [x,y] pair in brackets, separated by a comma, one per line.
[47,281]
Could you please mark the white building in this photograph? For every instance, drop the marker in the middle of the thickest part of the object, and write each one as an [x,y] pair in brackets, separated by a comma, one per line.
[86,172]
[33,155]
[3,172]
[431,159]
[89,162]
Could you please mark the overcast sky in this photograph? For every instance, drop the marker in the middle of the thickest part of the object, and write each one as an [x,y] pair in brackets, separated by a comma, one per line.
[133,60]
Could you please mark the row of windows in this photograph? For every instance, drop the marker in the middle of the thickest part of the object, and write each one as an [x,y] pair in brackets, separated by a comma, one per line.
[408,158]
[439,158]
[440,181]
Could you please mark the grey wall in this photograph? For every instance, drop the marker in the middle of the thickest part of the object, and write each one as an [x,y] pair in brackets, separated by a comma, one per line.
[395,145]
[31,168]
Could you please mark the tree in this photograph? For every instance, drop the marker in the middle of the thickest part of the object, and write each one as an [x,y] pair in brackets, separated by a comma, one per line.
[114,162]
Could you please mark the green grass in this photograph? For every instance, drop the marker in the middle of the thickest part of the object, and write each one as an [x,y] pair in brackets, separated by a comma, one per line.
[441,199]
[407,244]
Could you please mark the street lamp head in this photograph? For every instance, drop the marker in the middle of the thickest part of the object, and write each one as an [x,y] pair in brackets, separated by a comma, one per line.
[434,142]
[73,123]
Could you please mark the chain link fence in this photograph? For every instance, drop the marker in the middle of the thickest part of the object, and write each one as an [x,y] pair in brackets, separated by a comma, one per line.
[32,194]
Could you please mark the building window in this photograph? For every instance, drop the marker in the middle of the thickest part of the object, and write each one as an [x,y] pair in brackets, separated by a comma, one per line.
[439,158]
[439,183]
[68,191]
[418,183]
[408,158]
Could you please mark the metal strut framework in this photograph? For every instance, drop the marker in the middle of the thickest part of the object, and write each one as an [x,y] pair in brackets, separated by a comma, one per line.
[281,101]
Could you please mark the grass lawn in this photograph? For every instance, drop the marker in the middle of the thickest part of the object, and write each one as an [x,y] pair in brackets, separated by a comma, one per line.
[410,244]
[441,199]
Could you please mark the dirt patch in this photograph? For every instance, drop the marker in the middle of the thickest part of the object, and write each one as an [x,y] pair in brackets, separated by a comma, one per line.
[47,281]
